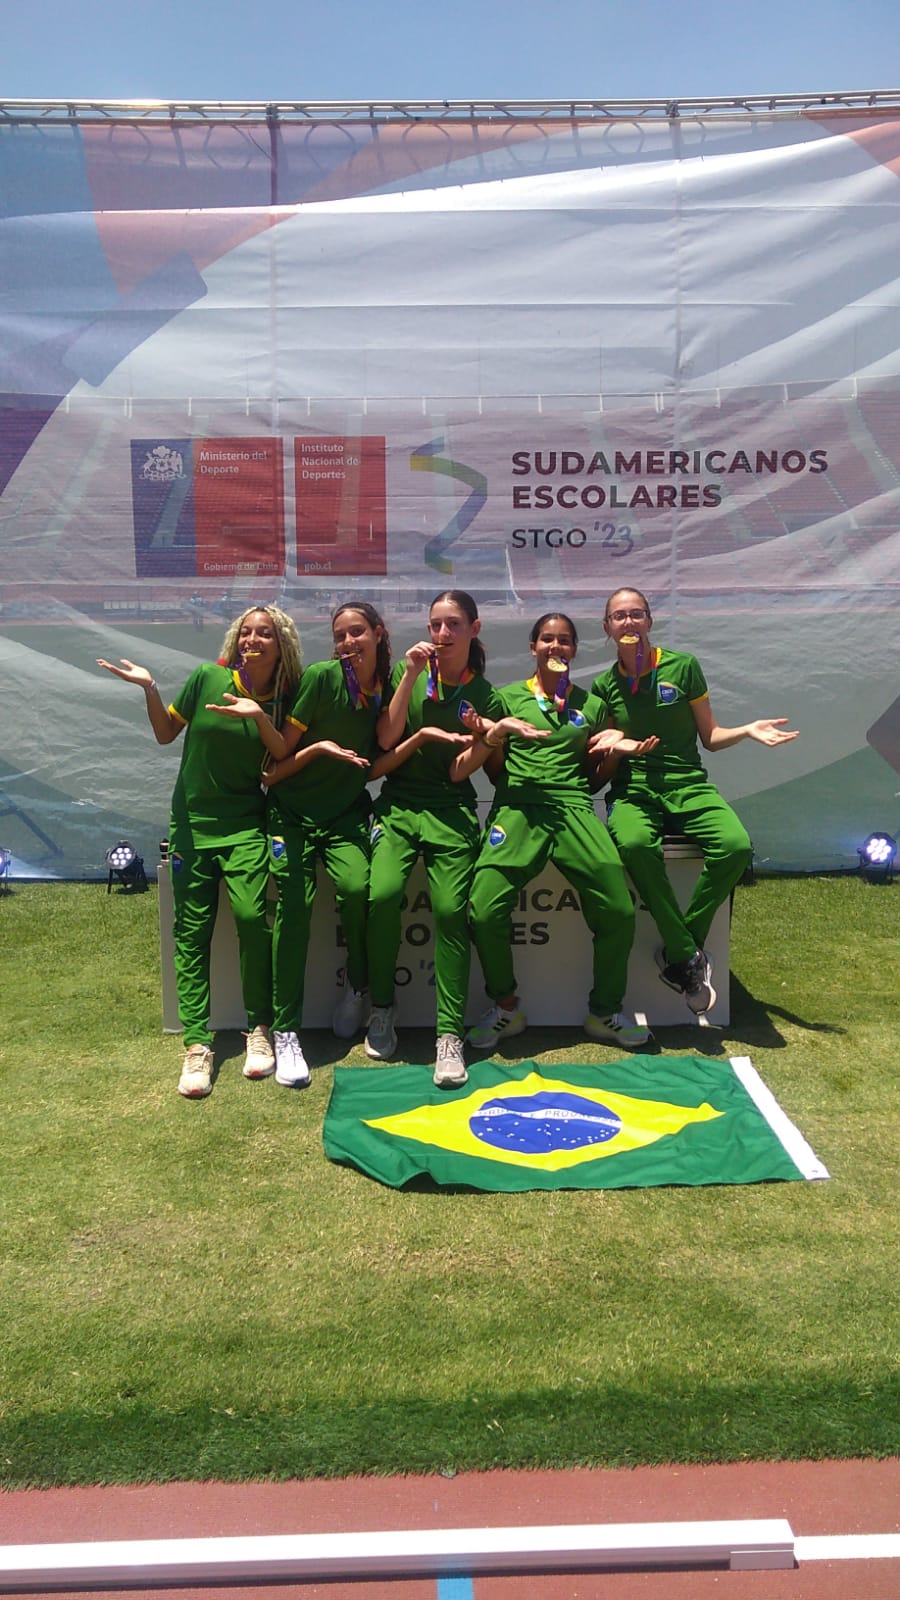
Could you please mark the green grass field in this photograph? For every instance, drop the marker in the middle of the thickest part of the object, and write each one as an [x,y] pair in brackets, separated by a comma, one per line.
[191,1291]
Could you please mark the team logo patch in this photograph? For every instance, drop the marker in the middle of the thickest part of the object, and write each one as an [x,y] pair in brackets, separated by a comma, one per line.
[176,862]
[497,835]
[278,848]
[576,719]
[667,694]
[377,831]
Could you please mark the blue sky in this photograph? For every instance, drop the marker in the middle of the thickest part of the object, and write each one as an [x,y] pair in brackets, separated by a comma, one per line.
[416,49]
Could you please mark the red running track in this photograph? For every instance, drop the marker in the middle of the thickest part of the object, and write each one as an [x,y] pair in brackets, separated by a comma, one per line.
[817,1498]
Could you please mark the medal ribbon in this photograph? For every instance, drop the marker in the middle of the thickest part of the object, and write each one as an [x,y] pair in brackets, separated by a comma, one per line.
[437,689]
[545,703]
[635,681]
[354,687]
[561,690]
[242,673]
[433,687]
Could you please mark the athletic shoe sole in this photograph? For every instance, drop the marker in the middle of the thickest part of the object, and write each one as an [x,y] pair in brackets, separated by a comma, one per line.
[609,1037]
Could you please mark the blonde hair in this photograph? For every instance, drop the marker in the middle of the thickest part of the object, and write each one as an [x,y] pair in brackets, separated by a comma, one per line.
[290,655]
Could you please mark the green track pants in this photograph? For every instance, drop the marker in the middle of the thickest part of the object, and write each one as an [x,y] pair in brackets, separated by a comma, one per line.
[343,848]
[196,875]
[447,841]
[638,825]
[518,842]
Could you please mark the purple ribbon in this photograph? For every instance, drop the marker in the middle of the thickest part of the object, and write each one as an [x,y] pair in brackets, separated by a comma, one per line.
[242,673]
[354,687]
[433,687]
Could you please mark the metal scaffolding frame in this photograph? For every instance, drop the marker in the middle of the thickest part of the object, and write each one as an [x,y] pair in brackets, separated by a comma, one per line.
[442,111]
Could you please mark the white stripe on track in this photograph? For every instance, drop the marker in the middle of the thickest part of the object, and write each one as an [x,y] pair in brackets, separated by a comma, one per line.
[847,1547]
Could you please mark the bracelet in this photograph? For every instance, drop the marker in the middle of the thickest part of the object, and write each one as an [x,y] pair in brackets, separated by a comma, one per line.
[493,744]
[152,685]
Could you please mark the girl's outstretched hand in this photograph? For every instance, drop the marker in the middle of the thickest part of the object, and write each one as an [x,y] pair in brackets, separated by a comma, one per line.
[521,729]
[613,739]
[128,672]
[238,706]
[327,747]
[770,731]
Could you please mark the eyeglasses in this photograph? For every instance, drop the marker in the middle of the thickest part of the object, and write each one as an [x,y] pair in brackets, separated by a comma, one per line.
[636,614]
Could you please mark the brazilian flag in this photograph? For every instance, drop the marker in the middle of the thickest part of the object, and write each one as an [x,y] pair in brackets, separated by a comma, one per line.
[626,1124]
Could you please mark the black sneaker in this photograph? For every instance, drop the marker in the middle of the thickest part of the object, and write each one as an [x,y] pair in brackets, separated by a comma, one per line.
[691,978]
[671,972]
[698,990]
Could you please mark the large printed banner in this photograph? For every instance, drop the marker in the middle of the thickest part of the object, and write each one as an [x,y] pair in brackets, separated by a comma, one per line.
[535,360]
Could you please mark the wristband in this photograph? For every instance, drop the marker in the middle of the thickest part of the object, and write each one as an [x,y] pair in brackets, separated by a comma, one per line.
[493,744]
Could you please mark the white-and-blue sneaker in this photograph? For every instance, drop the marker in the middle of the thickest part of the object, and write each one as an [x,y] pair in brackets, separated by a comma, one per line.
[291,1066]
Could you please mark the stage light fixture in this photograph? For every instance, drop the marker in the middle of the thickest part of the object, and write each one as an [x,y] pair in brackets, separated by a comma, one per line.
[124,863]
[876,857]
[5,864]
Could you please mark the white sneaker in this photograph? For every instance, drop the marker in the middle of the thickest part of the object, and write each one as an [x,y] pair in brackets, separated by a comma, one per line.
[381,1035]
[291,1066]
[196,1072]
[620,1029]
[495,1025]
[450,1064]
[350,1011]
[259,1061]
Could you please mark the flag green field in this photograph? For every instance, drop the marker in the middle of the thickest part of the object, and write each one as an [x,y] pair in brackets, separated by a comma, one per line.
[643,1121]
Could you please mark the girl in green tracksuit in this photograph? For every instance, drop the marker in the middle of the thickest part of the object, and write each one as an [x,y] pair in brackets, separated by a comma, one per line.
[427,807]
[319,810]
[543,812]
[660,696]
[231,711]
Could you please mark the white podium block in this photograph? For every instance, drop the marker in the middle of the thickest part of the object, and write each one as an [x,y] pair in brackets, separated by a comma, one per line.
[551,946]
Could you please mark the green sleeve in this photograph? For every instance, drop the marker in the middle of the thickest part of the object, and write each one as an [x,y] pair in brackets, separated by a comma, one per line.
[188,697]
[306,703]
